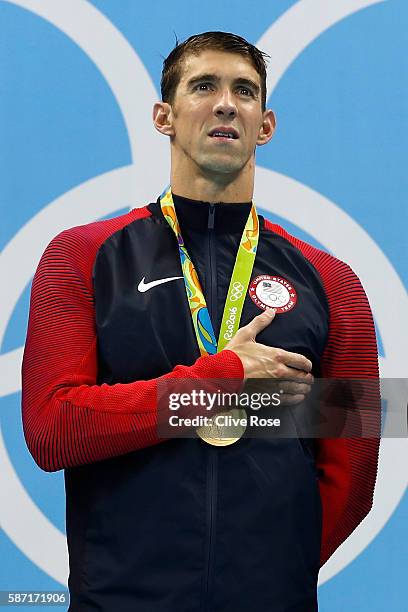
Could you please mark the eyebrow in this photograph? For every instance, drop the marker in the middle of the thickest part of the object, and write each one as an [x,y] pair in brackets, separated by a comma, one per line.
[215,79]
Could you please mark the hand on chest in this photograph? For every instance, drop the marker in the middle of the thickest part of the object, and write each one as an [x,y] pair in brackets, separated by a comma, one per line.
[150,316]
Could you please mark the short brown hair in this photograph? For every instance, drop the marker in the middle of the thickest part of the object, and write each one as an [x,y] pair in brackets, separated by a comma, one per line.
[219,41]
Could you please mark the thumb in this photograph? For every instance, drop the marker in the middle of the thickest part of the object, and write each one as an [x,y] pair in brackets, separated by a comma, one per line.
[259,322]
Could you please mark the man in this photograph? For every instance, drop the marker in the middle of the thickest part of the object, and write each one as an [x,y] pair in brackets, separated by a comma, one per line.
[181,525]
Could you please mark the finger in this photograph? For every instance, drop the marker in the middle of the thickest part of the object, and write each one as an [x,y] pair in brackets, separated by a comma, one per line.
[259,322]
[291,400]
[296,360]
[293,375]
[294,388]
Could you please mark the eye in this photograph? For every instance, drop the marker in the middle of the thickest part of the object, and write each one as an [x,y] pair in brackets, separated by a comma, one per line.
[203,86]
[245,91]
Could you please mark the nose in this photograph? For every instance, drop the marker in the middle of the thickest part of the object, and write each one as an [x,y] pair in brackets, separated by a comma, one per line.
[225,104]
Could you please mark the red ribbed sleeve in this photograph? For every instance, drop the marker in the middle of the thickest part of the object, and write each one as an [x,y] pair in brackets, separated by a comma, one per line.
[68,419]
[348,465]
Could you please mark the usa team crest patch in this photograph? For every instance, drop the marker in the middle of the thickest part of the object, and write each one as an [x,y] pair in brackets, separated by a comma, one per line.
[273,292]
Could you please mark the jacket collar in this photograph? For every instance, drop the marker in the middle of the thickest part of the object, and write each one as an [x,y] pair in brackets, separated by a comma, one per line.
[196,214]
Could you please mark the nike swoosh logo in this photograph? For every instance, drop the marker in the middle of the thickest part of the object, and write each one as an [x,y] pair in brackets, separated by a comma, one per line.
[142,286]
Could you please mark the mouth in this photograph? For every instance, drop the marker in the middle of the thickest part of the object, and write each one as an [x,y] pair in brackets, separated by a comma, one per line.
[224,134]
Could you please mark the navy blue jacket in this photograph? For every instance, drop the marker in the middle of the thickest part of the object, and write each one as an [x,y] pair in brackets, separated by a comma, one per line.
[181,526]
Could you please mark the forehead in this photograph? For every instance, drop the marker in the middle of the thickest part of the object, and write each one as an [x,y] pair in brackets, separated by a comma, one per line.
[220,63]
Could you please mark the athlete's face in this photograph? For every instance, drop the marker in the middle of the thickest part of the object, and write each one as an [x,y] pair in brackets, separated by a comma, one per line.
[218,92]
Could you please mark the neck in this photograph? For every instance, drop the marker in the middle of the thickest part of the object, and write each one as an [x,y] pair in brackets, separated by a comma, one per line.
[214,188]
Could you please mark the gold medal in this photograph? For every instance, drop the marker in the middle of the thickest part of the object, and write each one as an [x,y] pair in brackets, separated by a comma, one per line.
[226,428]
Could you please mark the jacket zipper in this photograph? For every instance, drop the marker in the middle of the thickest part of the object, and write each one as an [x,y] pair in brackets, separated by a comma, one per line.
[212,464]
[212,457]
[211,264]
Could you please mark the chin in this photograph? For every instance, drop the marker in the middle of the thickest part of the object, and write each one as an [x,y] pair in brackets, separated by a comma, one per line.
[222,166]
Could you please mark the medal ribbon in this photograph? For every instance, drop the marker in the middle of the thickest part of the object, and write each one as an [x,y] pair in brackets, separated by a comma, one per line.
[234,303]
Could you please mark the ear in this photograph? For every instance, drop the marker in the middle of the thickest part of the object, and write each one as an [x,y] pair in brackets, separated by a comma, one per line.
[267,128]
[163,118]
